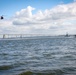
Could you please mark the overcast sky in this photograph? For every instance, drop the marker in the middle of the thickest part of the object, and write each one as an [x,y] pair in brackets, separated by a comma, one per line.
[52,17]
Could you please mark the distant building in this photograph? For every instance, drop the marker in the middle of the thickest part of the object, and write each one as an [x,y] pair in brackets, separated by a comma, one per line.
[75,35]
[67,35]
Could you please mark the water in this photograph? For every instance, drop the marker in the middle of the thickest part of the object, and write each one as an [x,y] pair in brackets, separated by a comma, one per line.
[38,56]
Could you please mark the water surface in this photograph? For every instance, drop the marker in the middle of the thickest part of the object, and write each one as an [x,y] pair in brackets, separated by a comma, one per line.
[38,56]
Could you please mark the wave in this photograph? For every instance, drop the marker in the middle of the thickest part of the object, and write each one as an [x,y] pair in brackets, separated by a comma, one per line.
[63,71]
[53,72]
[5,67]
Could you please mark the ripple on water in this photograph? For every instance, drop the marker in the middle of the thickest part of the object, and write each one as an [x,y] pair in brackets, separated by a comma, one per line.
[51,56]
[6,67]
[63,71]
[52,72]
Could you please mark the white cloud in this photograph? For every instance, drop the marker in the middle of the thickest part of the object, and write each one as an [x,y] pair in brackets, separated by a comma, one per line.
[74,0]
[25,12]
[58,20]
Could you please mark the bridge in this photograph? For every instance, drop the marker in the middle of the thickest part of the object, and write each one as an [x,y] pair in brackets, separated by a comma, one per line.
[3,36]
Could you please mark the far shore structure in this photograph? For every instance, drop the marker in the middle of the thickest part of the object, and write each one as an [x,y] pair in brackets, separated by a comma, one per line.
[3,36]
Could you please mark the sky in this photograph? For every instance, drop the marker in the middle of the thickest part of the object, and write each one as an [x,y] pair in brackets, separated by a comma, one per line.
[54,17]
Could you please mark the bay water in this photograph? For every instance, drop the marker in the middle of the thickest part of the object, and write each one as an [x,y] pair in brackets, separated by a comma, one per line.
[38,56]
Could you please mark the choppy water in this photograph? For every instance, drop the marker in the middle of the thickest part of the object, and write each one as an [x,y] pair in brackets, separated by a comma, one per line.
[39,56]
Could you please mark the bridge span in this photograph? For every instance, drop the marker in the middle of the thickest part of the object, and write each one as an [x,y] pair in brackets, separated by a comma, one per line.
[8,36]
[20,35]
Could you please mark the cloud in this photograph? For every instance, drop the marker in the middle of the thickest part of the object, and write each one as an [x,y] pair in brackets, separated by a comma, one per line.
[58,20]
[74,0]
[25,16]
